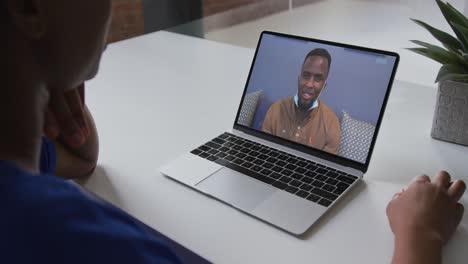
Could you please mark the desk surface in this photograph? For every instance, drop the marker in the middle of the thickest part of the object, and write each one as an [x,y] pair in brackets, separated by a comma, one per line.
[162,94]
[379,23]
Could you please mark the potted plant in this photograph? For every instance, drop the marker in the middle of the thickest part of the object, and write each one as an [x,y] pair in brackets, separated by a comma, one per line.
[450,121]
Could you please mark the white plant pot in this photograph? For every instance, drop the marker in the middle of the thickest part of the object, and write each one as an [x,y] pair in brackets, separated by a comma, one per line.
[451,113]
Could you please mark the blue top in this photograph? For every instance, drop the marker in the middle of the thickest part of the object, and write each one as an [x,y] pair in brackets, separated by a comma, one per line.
[48,157]
[45,219]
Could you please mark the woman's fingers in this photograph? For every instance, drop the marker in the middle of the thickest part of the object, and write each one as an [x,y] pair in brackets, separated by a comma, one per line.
[456,190]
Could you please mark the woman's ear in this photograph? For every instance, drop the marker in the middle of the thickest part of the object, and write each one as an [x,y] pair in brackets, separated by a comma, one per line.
[27,16]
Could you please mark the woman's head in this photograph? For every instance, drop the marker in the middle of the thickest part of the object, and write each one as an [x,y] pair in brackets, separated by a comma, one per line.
[65,38]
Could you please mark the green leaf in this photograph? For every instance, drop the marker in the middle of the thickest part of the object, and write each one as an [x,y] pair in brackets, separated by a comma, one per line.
[465,56]
[463,31]
[454,77]
[440,55]
[427,45]
[451,72]
[446,39]
[454,17]
[425,52]
[452,56]
[463,19]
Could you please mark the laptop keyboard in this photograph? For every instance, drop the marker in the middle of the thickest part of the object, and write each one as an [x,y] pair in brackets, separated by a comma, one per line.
[301,177]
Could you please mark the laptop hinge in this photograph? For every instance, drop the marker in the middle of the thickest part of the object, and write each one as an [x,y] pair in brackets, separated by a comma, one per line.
[301,154]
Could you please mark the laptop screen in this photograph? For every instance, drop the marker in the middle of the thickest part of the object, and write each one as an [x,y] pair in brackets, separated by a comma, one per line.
[326,97]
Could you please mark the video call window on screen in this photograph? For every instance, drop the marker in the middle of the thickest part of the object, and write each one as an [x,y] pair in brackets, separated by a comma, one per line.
[321,96]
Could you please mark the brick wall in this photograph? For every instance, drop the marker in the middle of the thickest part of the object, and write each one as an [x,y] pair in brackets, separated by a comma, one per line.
[211,7]
[226,13]
[127,19]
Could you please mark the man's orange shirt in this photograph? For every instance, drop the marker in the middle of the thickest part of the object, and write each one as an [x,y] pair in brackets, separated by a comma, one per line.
[320,129]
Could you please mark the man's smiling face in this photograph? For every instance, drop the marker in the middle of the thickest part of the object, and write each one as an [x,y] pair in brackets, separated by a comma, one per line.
[312,80]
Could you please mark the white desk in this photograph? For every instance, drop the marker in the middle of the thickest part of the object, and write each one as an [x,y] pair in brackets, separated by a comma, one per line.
[162,94]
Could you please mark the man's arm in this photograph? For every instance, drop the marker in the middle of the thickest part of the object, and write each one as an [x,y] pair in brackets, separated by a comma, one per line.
[423,218]
[417,248]
[76,162]
[267,125]
[333,136]
[70,125]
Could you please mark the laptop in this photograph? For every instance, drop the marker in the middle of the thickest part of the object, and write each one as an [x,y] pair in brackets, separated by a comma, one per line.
[304,132]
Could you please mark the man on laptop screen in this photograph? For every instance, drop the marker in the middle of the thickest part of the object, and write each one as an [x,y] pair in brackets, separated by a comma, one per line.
[303,118]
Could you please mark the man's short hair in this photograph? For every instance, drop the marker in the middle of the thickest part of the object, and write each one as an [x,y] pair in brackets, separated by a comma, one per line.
[317,52]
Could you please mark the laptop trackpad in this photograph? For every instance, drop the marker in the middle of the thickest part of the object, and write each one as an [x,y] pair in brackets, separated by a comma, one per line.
[237,189]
